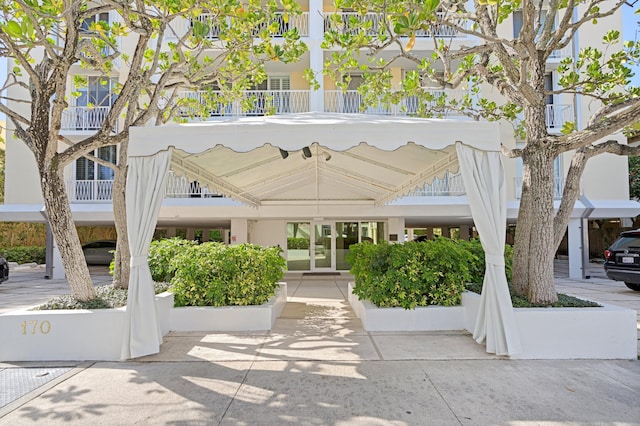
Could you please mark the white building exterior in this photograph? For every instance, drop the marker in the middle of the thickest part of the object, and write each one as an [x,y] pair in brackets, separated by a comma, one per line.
[315,209]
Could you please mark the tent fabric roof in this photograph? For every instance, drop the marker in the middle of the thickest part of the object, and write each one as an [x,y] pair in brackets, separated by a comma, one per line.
[314,156]
[291,132]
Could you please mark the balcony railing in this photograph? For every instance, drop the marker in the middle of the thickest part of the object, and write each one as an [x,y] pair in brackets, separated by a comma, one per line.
[558,187]
[82,118]
[90,190]
[450,185]
[300,22]
[182,187]
[102,190]
[561,53]
[557,115]
[350,22]
[350,102]
[264,102]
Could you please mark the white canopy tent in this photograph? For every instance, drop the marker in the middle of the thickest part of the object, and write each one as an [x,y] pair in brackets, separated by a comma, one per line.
[311,158]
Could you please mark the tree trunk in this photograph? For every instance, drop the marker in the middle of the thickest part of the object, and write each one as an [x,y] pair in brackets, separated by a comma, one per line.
[123,252]
[64,230]
[534,247]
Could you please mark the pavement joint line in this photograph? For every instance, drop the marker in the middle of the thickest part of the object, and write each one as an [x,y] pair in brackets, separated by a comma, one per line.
[375,346]
[437,390]
[235,394]
[24,399]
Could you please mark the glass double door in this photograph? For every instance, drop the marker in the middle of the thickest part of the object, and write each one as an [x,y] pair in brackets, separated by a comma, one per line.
[323,246]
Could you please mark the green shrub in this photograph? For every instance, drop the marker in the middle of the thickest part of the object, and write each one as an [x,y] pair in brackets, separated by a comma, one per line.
[212,274]
[412,274]
[297,243]
[477,266]
[25,254]
[162,255]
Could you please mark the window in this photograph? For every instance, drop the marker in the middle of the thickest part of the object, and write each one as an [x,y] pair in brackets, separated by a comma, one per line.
[518,22]
[93,103]
[87,169]
[85,27]
[274,91]
[99,91]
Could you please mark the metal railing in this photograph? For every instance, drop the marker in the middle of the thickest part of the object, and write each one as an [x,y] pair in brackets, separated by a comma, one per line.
[181,26]
[350,102]
[83,118]
[90,190]
[558,187]
[565,52]
[264,102]
[350,22]
[182,187]
[450,185]
[102,190]
[557,115]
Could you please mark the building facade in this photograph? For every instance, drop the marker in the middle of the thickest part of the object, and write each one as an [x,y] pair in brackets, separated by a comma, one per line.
[314,209]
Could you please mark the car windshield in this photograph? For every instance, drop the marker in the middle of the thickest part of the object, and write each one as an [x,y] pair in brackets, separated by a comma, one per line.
[626,243]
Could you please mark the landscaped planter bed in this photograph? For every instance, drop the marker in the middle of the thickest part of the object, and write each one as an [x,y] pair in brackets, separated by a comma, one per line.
[607,332]
[229,318]
[78,335]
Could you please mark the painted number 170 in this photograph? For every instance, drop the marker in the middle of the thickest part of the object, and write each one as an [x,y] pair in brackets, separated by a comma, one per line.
[36,327]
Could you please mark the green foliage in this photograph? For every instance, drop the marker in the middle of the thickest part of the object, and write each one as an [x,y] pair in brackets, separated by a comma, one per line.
[298,243]
[477,266]
[212,274]
[564,301]
[411,274]
[634,177]
[162,256]
[107,297]
[25,254]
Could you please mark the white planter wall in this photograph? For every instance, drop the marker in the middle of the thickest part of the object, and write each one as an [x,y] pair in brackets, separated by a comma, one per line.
[609,332]
[229,318]
[82,335]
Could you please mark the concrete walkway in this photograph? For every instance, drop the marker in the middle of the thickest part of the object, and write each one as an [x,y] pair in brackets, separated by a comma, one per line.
[317,366]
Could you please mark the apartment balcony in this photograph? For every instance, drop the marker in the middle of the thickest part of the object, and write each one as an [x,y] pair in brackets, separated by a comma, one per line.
[558,187]
[350,22]
[350,102]
[90,190]
[182,27]
[265,102]
[99,191]
[557,115]
[84,119]
[450,185]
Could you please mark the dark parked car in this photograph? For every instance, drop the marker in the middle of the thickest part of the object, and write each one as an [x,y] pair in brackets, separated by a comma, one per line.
[4,269]
[99,252]
[623,259]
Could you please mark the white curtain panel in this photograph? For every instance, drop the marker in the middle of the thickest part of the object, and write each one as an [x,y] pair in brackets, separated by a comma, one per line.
[145,190]
[484,181]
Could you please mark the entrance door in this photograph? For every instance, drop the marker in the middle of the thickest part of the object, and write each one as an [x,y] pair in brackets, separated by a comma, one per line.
[323,254]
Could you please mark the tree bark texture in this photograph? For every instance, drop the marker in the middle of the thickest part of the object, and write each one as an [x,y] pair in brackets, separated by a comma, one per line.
[64,230]
[123,253]
[534,246]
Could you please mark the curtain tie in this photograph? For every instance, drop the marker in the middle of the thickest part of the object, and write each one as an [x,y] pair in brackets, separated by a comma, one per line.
[137,261]
[494,259]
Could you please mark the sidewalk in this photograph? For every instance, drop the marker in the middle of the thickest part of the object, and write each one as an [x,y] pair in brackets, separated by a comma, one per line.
[319,367]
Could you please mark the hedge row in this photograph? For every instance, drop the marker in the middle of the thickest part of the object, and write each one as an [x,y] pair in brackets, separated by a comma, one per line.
[213,274]
[417,274]
[25,254]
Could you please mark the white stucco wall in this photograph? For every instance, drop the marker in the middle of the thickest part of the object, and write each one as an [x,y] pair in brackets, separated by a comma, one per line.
[268,233]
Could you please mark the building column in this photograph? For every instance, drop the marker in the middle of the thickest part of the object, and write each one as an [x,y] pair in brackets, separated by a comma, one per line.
[396,229]
[316,54]
[574,247]
[464,232]
[239,231]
